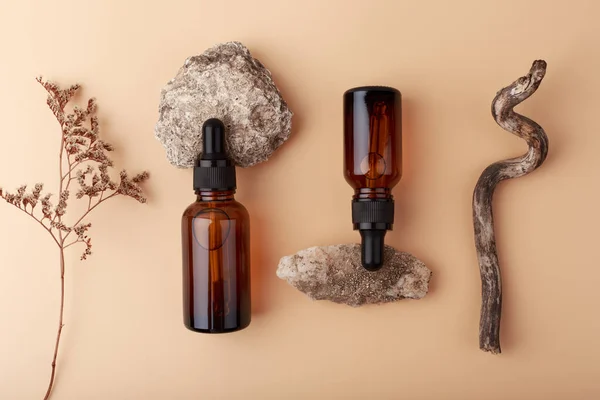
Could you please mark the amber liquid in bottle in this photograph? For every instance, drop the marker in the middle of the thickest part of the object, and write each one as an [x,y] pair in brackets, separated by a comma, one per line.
[216,246]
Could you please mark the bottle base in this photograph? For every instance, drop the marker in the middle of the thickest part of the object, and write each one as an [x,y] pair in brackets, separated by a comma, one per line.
[216,331]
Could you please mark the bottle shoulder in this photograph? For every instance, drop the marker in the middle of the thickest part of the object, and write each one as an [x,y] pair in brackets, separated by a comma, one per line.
[233,208]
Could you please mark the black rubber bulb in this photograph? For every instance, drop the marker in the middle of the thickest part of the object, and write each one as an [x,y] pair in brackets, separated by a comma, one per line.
[213,140]
[372,248]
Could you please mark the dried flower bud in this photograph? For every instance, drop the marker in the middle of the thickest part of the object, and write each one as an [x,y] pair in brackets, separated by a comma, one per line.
[130,188]
[10,198]
[95,179]
[81,229]
[139,178]
[19,196]
[94,128]
[57,99]
[32,199]
[104,177]
[37,190]
[76,140]
[47,206]
[91,106]
[87,252]
[61,207]
[60,226]
[80,115]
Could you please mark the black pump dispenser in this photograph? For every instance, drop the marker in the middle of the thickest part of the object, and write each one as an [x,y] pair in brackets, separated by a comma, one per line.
[214,170]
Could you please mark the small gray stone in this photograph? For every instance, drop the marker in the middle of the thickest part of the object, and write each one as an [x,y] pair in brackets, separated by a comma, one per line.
[335,273]
[224,82]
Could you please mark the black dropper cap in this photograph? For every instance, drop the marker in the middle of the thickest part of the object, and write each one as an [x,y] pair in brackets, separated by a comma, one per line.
[214,170]
[373,218]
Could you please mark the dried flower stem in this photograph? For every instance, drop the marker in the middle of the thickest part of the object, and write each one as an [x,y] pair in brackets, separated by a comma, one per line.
[60,323]
[80,145]
[62,279]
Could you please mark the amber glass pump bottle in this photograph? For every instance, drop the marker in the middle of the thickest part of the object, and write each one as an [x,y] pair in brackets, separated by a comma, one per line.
[372,163]
[216,243]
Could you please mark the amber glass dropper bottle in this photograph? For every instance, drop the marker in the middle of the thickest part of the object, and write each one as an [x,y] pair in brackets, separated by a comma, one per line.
[372,163]
[216,243]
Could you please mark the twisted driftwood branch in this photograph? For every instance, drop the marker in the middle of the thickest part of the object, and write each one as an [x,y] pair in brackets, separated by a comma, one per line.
[485,242]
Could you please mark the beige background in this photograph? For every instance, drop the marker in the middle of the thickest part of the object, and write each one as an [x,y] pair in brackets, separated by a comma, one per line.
[124,337]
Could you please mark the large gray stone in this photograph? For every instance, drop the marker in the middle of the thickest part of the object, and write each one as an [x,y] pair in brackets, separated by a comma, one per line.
[224,82]
[335,273]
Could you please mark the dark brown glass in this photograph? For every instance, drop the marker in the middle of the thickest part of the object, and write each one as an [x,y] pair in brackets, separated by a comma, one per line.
[372,140]
[216,263]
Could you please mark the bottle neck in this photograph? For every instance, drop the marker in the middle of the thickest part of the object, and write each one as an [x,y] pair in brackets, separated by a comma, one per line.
[373,193]
[215,195]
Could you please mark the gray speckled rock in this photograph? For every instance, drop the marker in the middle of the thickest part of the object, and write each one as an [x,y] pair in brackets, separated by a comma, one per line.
[335,273]
[224,82]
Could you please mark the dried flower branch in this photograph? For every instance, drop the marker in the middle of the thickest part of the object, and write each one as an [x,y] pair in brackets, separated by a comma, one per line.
[83,158]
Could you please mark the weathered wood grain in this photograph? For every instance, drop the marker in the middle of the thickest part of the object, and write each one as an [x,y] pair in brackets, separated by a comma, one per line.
[485,242]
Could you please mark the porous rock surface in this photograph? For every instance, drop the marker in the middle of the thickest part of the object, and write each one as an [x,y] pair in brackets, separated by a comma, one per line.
[335,273]
[224,82]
